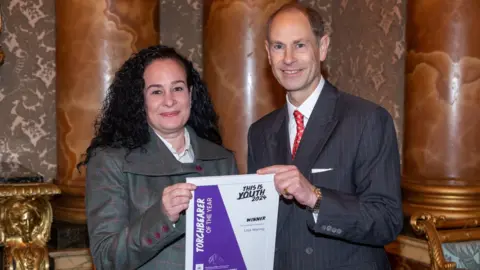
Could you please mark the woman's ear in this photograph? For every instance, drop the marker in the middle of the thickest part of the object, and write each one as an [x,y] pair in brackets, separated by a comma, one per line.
[190,89]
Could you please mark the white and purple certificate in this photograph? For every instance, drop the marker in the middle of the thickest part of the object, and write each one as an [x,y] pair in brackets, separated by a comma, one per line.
[232,223]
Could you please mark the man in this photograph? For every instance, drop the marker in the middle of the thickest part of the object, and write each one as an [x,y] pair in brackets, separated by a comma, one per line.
[334,156]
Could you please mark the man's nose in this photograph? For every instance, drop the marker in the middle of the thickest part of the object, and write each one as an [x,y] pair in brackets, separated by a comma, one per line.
[289,56]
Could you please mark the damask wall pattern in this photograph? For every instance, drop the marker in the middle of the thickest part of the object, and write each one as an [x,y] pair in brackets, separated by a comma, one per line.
[366,58]
[366,54]
[181,27]
[367,50]
[27,85]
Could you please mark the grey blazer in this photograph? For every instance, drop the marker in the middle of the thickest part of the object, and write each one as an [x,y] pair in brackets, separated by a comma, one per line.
[127,229]
[361,209]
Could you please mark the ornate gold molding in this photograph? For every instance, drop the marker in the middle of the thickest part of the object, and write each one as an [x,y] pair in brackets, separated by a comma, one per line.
[438,230]
[10,190]
[425,224]
[25,222]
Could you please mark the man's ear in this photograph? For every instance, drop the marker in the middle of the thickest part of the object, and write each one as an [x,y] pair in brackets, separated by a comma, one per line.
[323,48]
[267,48]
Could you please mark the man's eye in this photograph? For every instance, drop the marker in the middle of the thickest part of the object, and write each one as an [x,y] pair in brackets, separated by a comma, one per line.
[277,46]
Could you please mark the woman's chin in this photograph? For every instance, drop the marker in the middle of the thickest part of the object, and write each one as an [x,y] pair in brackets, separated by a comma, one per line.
[169,127]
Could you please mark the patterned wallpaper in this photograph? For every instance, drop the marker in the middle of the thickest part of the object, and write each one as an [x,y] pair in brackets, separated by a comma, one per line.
[181,27]
[367,50]
[27,85]
[366,58]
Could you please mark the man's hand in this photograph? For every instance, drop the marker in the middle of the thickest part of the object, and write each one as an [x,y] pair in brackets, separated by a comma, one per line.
[291,184]
[175,199]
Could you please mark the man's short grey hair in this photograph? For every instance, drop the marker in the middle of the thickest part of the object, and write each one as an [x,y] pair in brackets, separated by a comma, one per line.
[314,18]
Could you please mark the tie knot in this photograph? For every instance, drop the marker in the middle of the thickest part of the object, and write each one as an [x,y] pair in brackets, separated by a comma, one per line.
[300,129]
[298,116]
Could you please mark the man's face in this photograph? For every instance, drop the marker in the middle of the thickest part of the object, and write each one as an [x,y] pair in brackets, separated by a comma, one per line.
[294,52]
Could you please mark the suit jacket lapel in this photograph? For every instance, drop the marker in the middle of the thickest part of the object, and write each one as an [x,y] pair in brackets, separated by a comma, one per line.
[320,126]
[279,154]
[156,160]
[278,139]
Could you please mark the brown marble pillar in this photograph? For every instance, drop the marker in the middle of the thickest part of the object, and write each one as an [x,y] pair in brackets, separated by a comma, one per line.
[93,39]
[441,159]
[236,68]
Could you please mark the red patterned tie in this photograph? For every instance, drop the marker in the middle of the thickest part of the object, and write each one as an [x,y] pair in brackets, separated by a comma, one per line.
[300,128]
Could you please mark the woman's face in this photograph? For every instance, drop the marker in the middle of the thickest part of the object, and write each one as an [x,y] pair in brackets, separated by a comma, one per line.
[167,97]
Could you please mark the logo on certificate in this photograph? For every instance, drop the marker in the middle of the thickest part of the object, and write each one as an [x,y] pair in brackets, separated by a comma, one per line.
[215,259]
[255,192]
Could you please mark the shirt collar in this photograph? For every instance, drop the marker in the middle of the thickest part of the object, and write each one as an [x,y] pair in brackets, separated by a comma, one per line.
[307,106]
[187,148]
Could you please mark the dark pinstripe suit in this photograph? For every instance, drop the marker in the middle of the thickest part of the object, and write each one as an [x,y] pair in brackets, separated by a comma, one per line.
[361,209]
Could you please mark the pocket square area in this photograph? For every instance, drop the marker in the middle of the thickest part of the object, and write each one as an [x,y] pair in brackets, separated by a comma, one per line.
[321,170]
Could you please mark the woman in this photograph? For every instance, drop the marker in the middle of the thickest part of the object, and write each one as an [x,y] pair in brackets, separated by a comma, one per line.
[157,127]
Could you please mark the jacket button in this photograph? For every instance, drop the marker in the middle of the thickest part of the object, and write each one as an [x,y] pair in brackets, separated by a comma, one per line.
[165,228]
[309,250]
[157,235]
[198,168]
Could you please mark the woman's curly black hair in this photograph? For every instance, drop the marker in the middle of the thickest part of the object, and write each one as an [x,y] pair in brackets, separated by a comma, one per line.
[123,122]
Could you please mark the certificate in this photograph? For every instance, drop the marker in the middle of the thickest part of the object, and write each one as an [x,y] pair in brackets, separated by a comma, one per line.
[231,223]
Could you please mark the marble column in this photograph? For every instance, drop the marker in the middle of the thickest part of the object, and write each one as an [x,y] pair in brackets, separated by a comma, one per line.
[441,158]
[236,68]
[94,38]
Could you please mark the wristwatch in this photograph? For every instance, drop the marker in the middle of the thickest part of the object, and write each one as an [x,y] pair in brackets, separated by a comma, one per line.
[316,208]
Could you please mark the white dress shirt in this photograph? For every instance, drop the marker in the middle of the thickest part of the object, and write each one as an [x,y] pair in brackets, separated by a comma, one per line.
[187,155]
[305,109]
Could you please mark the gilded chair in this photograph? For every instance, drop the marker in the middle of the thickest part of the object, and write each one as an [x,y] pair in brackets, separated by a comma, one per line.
[452,244]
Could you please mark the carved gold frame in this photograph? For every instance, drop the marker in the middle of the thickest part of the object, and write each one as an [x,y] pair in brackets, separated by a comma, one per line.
[25,222]
[455,230]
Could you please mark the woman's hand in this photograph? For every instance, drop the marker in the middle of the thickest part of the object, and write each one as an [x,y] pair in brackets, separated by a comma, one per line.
[175,199]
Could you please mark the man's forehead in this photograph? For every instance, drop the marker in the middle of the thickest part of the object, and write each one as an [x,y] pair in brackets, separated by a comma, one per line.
[291,35]
[290,41]
[291,17]
[283,24]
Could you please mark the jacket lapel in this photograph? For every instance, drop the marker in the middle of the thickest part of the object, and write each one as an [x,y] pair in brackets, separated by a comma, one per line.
[278,139]
[279,154]
[155,159]
[320,126]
